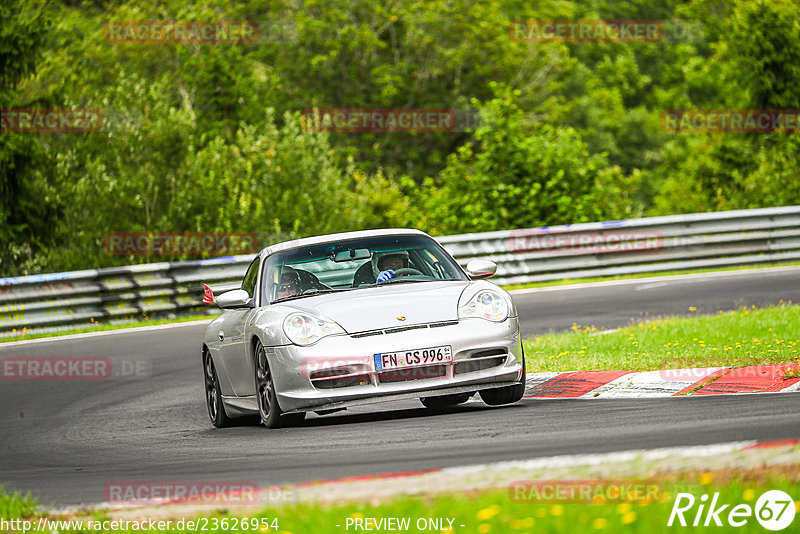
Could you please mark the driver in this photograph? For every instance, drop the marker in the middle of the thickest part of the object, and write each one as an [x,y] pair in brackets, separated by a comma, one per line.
[388,264]
[289,284]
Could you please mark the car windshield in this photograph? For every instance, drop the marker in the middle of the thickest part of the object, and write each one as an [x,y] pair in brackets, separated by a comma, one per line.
[355,264]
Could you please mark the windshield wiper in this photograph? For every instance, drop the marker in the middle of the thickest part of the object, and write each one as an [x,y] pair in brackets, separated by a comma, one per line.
[309,294]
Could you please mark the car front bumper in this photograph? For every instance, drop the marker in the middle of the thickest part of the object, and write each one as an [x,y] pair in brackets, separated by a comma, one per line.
[339,371]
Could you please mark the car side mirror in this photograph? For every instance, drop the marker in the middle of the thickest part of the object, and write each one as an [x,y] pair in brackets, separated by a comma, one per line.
[479,269]
[238,298]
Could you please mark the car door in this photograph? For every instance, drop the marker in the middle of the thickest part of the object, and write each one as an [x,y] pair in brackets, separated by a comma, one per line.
[233,344]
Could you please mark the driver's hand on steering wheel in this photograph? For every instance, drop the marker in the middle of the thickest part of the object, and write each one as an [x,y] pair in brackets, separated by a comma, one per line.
[386,275]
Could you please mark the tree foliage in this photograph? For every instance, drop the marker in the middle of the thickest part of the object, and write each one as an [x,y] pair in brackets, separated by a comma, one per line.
[26,205]
[514,174]
[208,137]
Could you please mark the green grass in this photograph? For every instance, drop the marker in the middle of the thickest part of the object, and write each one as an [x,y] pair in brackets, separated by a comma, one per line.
[109,326]
[15,504]
[636,276]
[497,511]
[747,336]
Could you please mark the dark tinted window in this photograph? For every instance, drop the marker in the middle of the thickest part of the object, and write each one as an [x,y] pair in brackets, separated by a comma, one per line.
[354,264]
[249,282]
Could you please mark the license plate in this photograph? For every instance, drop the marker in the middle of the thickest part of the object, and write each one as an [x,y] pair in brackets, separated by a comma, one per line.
[412,358]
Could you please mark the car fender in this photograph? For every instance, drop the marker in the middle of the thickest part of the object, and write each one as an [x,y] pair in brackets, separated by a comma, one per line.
[212,344]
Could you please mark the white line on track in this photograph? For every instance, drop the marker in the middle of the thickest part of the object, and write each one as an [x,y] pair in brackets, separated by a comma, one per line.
[102,333]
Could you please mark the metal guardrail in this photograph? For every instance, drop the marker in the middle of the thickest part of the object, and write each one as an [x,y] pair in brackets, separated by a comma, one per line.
[655,244]
[50,302]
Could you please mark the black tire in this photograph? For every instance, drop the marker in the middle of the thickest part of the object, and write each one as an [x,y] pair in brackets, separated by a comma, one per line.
[216,409]
[271,414]
[508,394]
[445,400]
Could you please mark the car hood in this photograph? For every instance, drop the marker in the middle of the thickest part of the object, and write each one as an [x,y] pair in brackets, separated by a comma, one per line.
[374,308]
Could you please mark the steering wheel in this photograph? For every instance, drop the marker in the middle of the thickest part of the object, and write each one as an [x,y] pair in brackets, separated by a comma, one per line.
[407,272]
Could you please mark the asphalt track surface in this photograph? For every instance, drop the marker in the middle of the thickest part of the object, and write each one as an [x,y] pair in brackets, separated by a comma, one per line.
[66,440]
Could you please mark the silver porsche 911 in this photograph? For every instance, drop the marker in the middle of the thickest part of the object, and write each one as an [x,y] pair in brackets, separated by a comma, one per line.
[323,323]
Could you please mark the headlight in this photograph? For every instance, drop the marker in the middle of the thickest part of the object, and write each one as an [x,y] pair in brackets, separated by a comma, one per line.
[305,329]
[485,304]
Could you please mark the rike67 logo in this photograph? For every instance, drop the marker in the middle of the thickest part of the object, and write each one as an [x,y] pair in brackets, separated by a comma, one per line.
[774,510]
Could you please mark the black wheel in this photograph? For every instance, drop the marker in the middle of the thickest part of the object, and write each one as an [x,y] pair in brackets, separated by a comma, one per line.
[216,411]
[268,409]
[508,394]
[445,400]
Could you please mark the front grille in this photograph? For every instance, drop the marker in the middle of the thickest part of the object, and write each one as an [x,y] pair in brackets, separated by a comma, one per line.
[333,383]
[445,323]
[367,334]
[485,359]
[488,353]
[339,380]
[397,329]
[330,373]
[412,373]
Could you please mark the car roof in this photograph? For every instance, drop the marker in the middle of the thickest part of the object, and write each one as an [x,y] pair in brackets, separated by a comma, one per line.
[344,236]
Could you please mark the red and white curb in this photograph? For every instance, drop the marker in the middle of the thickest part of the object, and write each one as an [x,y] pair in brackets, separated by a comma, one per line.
[664,383]
[633,464]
